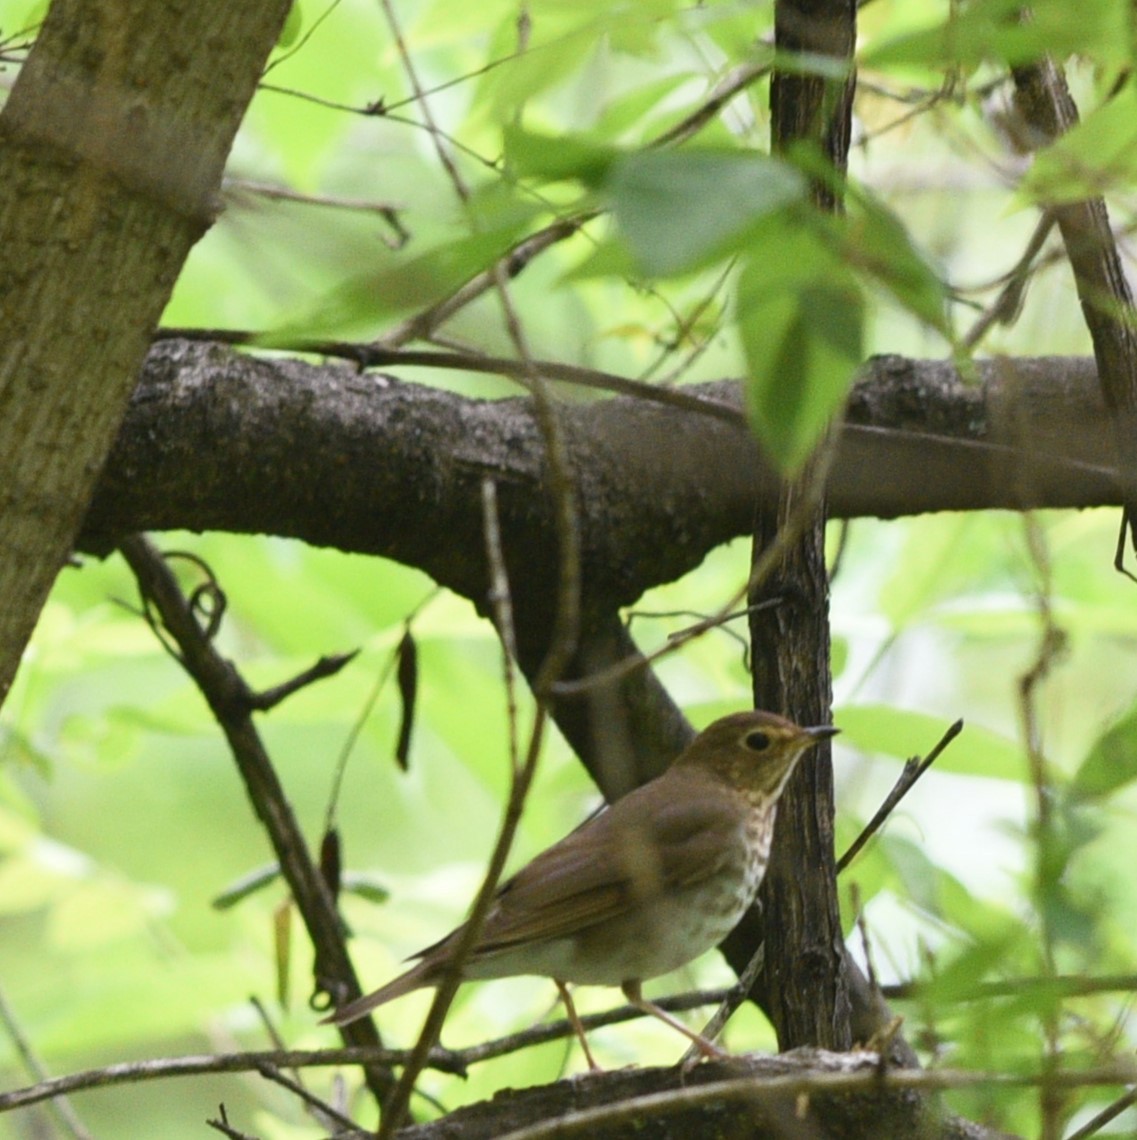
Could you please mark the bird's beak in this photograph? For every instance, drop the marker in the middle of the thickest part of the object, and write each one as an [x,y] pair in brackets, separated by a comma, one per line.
[820,732]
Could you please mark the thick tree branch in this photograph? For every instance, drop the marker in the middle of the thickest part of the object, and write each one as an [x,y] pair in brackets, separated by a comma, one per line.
[803,1093]
[112,145]
[216,440]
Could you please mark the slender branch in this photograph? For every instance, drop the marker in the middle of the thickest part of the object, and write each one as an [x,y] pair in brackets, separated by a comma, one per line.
[442,1060]
[1097,1123]
[913,770]
[165,1068]
[1043,98]
[323,668]
[60,1106]
[231,703]
[320,1107]
[732,999]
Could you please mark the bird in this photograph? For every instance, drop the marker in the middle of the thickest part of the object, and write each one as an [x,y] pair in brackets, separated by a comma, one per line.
[642,888]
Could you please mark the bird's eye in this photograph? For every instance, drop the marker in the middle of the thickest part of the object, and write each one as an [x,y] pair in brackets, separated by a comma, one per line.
[757,741]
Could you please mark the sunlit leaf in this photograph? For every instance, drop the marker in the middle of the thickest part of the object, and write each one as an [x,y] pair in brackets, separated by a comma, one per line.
[293,22]
[1094,157]
[1001,30]
[903,733]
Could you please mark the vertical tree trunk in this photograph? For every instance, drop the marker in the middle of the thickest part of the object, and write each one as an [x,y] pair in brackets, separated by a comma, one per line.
[112,146]
[803,987]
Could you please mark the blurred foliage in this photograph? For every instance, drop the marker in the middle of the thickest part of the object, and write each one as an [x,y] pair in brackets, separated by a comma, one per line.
[121,817]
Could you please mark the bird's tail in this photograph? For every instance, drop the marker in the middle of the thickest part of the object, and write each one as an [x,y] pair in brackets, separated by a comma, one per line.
[424,973]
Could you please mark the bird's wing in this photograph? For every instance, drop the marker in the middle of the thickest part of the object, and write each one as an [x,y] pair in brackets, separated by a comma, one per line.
[668,834]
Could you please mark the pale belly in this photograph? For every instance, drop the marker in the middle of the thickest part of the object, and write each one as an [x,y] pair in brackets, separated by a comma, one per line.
[653,938]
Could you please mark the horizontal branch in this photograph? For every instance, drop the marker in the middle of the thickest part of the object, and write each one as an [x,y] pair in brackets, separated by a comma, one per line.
[216,440]
[803,1092]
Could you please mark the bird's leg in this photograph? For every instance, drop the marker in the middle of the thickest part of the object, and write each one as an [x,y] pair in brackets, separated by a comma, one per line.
[633,991]
[578,1028]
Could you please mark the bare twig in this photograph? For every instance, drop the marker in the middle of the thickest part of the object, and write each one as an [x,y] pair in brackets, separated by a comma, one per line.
[230,701]
[442,1060]
[912,771]
[388,212]
[325,667]
[320,1106]
[423,324]
[562,641]
[61,1107]
[732,999]
[1091,1127]
[724,91]
[1007,304]
[1051,643]
[222,1125]
[501,606]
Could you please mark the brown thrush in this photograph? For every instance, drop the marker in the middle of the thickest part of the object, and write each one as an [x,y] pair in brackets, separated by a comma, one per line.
[644,887]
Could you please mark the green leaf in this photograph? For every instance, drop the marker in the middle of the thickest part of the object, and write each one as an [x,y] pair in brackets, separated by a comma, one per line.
[631,107]
[679,210]
[877,243]
[1111,763]
[978,751]
[555,158]
[997,30]
[1090,159]
[293,22]
[803,342]
[361,302]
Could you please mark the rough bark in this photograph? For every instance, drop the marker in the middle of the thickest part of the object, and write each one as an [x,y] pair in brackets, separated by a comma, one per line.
[112,145]
[748,1096]
[804,985]
[218,440]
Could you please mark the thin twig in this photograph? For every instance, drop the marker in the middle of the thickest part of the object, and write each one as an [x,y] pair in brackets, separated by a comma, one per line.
[501,606]
[442,1060]
[422,102]
[388,212]
[60,1105]
[1052,1106]
[729,1005]
[1111,1112]
[318,1104]
[222,1125]
[1009,301]
[230,700]
[561,645]
[325,667]
[423,324]
[395,1107]
[912,771]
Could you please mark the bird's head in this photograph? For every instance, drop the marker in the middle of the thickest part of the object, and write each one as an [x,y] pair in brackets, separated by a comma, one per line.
[753,751]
